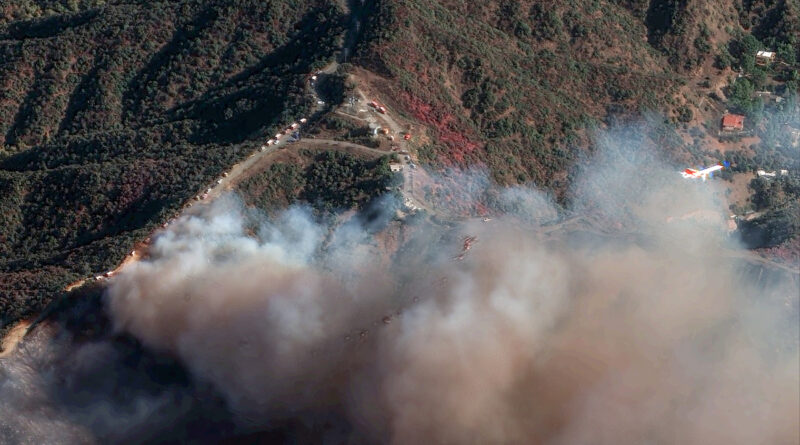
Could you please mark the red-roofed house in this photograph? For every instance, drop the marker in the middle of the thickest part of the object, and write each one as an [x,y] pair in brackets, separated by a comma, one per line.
[732,122]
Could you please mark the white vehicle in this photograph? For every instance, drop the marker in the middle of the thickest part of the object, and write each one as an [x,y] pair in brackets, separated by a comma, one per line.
[303,120]
[320,102]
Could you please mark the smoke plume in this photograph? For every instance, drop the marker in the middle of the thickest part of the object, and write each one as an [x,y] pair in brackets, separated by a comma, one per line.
[532,337]
[637,321]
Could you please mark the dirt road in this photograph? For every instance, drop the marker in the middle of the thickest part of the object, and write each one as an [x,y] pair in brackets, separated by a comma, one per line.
[226,182]
[13,337]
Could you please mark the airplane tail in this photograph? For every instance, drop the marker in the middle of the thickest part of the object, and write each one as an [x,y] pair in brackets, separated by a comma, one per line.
[723,164]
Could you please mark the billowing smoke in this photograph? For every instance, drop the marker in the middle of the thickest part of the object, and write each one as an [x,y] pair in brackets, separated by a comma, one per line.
[634,320]
[56,390]
[535,335]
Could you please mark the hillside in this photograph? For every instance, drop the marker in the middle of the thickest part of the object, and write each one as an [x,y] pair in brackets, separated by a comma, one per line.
[515,85]
[327,180]
[114,114]
[399,221]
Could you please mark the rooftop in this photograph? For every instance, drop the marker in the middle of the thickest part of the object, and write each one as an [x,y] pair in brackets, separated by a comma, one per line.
[733,121]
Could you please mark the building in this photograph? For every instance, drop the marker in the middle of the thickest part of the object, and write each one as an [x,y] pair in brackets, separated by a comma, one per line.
[763,173]
[395,167]
[764,57]
[732,122]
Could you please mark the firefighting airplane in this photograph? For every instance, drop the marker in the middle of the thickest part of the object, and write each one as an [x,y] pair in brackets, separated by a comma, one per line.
[705,173]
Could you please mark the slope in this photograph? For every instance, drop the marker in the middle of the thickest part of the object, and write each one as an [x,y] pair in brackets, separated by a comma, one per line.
[112,116]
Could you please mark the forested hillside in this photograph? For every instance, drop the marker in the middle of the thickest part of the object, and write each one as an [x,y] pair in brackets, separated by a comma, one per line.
[112,114]
[516,84]
[328,181]
[513,84]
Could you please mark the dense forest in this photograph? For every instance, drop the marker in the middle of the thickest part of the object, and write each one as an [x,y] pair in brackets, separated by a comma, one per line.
[330,181]
[113,114]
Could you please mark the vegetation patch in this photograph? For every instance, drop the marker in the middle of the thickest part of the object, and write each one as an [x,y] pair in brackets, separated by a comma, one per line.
[112,116]
[329,181]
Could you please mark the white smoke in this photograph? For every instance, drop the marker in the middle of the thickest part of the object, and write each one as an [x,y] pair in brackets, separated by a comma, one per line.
[635,322]
[533,337]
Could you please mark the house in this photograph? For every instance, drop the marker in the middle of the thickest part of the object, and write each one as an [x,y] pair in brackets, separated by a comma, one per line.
[763,173]
[764,57]
[395,167]
[732,122]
